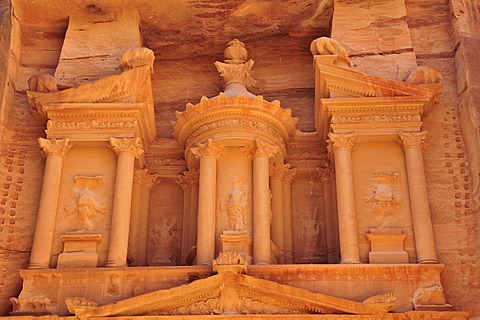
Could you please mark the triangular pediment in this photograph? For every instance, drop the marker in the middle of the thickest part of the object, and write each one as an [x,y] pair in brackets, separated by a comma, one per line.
[228,293]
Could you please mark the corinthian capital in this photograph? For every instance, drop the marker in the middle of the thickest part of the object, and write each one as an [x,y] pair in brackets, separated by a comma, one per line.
[327,173]
[264,149]
[413,139]
[208,148]
[288,173]
[276,170]
[145,179]
[131,145]
[54,146]
[342,141]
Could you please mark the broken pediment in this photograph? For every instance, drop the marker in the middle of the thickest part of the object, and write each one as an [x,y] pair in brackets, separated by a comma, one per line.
[350,100]
[118,104]
[228,293]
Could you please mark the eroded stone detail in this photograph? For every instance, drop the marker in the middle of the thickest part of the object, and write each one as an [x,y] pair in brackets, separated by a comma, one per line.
[329,46]
[86,206]
[385,196]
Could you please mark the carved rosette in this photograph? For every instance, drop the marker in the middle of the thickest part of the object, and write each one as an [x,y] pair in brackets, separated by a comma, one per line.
[208,149]
[130,145]
[145,179]
[58,147]
[413,139]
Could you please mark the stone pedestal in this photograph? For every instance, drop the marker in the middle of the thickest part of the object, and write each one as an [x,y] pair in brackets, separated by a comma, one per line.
[79,250]
[387,246]
[237,241]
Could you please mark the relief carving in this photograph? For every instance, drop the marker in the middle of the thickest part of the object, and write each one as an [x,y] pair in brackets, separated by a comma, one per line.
[329,46]
[385,197]
[32,304]
[230,301]
[428,296]
[75,304]
[164,240]
[135,58]
[376,118]
[86,205]
[236,208]
[43,83]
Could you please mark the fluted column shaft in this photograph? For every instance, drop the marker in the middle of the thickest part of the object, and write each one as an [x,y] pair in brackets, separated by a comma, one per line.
[277,226]
[417,185]
[347,219]
[142,185]
[55,151]
[208,154]
[287,212]
[261,196]
[127,150]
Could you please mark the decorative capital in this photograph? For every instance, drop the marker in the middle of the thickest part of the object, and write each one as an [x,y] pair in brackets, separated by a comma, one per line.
[145,179]
[55,146]
[188,178]
[289,174]
[413,139]
[264,149]
[193,176]
[326,174]
[341,141]
[276,170]
[131,145]
[208,148]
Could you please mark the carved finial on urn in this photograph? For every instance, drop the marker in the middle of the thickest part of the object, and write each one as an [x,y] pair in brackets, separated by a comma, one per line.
[236,71]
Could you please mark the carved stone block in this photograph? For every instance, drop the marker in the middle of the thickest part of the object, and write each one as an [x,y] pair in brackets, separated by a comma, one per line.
[387,246]
[238,241]
[79,251]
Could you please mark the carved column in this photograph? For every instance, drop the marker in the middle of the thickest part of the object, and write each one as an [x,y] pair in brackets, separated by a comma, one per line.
[127,150]
[208,153]
[55,151]
[288,175]
[347,218]
[193,177]
[189,183]
[142,184]
[183,182]
[277,225]
[326,176]
[261,197]
[417,185]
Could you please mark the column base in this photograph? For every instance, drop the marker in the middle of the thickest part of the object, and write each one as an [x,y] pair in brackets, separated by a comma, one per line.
[114,264]
[38,266]
[350,261]
[428,261]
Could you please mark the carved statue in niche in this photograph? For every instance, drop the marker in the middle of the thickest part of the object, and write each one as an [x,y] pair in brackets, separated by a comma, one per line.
[310,229]
[164,240]
[236,208]
[384,197]
[86,205]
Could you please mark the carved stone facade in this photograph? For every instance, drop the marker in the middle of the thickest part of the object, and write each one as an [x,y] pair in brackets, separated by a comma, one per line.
[239,206]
